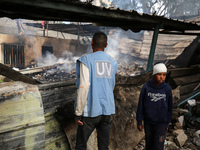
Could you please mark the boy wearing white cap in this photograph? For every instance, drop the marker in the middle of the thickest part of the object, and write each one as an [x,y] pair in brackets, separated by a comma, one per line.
[155,108]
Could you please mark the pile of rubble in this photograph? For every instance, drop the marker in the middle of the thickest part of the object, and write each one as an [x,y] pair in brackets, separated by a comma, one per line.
[54,75]
[178,139]
[130,69]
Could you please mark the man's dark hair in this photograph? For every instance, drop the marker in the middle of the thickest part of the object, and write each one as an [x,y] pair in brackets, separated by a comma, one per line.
[99,39]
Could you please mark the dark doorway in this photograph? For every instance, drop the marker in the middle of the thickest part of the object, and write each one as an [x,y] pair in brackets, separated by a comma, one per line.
[47,50]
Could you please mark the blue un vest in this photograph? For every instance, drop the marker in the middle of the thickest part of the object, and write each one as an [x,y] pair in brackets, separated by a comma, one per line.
[102,69]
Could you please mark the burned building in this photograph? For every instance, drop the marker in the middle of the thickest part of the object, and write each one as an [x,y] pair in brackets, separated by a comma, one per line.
[19,51]
[43,112]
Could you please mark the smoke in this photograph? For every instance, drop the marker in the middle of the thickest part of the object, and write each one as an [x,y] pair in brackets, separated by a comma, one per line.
[48,60]
[66,62]
[116,39]
[121,41]
[113,44]
[121,46]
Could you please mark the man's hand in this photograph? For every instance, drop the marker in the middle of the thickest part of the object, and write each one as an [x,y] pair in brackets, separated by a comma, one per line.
[166,129]
[79,122]
[140,128]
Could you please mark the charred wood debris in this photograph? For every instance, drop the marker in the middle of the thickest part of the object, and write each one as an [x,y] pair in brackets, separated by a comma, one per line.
[56,73]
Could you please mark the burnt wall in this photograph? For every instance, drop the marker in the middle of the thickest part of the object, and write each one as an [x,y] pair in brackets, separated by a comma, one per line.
[33,46]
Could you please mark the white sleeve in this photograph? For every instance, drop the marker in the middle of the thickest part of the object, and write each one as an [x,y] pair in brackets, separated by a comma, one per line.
[83,89]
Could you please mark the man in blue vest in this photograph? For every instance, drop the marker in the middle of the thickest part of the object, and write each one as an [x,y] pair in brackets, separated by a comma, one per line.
[95,101]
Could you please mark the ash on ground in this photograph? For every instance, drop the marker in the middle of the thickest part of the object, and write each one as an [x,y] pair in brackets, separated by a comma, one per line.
[54,75]
[57,74]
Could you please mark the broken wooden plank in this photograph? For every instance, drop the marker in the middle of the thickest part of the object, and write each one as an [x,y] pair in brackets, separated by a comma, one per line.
[51,85]
[31,70]
[15,75]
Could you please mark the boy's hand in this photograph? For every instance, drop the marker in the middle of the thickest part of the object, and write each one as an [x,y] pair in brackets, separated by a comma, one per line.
[140,128]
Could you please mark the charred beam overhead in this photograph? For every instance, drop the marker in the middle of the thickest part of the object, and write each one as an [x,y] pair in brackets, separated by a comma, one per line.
[56,10]
[87,29]
[180,33]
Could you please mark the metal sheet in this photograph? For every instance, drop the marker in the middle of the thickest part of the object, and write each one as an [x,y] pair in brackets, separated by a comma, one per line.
[22,122]
[181,72]
[189,56]
[187,79]
[55,137]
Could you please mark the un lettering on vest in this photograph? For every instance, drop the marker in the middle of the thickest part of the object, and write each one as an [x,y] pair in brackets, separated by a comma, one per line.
[103,69]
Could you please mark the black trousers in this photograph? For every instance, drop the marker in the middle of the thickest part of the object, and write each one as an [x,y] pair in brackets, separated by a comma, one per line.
[154,136]
[102,124]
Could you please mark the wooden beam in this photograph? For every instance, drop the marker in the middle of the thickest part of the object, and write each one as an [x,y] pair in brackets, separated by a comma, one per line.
[15,75]
[181,33]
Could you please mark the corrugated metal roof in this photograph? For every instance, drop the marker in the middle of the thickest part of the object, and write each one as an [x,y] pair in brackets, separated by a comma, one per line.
[58,10]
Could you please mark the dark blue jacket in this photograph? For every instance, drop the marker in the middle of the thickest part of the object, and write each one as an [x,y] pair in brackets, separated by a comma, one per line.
[155,104]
